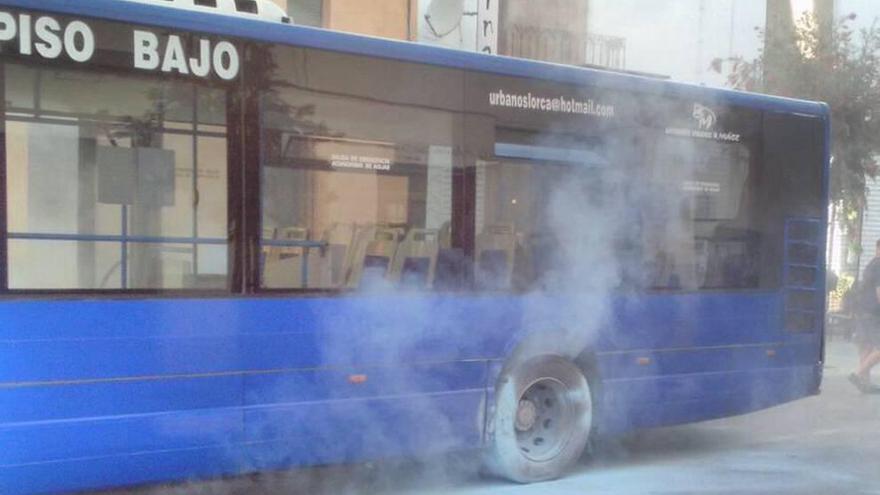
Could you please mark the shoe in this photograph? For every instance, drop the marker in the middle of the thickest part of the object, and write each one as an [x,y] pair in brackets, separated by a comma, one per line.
[859,383]
[873,389]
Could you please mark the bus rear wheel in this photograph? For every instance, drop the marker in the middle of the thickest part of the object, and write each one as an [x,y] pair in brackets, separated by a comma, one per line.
[541,422]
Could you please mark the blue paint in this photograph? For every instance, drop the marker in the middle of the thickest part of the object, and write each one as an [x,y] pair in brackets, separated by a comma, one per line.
[253,380]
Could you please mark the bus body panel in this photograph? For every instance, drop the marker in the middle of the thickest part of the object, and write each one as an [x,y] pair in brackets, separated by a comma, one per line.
[263,385]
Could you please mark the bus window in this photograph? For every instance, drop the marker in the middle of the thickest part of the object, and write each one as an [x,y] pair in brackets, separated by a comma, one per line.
[114,182]
[697,231]
[523,199]
[356,182]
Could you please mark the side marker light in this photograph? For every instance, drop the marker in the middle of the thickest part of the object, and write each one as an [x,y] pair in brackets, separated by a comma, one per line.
[357,379]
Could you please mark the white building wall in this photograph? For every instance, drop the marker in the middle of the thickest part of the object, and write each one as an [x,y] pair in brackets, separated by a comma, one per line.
[871,225]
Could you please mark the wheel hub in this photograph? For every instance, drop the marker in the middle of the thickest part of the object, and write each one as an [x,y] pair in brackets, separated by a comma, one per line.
[544,416]
[526,415]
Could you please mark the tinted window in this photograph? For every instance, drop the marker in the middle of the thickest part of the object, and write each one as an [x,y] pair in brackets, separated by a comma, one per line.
[357,175]
[698,229]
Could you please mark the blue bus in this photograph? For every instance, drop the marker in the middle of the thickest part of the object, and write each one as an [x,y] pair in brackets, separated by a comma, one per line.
[231,245]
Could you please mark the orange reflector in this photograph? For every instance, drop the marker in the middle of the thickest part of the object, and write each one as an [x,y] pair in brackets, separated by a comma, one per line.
[643,361]
[357,379]
[771,352]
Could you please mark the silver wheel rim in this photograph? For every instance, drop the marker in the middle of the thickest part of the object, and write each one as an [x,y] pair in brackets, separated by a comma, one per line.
[544,417]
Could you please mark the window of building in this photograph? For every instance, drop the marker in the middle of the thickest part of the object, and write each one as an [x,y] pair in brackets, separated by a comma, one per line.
[306,12]
[114,182]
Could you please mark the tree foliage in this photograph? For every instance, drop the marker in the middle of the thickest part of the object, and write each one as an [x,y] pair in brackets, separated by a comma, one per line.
[841,68]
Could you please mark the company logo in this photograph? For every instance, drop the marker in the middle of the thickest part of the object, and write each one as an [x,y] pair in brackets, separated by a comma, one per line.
[705,117]
[706,121]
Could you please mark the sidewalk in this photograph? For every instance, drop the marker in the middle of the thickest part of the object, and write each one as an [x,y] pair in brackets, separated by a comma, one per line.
[841,358]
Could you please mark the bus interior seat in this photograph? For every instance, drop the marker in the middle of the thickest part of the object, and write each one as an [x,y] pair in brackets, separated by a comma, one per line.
[354,258]
[283,266]
[415,261]
[331,261]
[373,251]
[537,258]
[445,235]
[495,256]
[453,269]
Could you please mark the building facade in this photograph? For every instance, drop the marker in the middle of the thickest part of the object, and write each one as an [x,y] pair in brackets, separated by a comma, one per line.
[385,18]
[550,30]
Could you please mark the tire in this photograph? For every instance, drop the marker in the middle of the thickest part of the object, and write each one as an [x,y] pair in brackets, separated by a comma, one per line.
[541,422]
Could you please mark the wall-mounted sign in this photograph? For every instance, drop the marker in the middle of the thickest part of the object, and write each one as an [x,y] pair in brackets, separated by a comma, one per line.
[49,38]
[358,162]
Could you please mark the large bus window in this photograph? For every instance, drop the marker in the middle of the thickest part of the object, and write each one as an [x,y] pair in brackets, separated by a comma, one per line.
[357,178]
[114,182]
[698,231]
[525,198]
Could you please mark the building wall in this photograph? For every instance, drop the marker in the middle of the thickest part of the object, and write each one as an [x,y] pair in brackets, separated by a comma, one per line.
[566,15]
[551,30]
[385,18]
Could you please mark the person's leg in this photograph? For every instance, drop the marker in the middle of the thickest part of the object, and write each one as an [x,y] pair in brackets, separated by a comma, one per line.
[864,351]
[869,355]
[871,360]
[863,343]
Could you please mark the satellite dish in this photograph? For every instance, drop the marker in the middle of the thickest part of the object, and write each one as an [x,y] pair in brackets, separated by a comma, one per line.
[444,16]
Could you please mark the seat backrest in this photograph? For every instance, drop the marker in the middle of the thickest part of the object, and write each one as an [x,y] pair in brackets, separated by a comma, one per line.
[374,248]
[385,242]
[495,256]
[354,260]
[445,235]
[415,262]
[334,259]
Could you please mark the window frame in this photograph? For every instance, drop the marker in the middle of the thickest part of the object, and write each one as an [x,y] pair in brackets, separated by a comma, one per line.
[232,180]
[462,181]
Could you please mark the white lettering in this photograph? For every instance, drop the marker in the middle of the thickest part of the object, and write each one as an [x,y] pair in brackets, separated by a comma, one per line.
[175,59]
[8,29]
[146,50]
[24,35]
[79,33]
[50,39]
[226,63]
[201,66]
[48,32]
